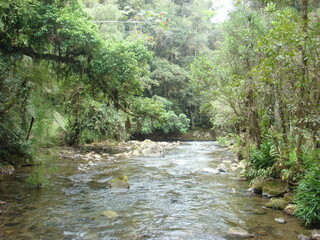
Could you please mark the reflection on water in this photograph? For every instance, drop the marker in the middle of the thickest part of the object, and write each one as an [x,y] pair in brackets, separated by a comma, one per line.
[169,198]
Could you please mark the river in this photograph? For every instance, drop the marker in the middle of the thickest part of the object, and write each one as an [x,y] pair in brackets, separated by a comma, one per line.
[170,197]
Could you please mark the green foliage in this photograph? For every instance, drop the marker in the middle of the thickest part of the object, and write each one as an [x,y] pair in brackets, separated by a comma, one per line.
[308,197]
[97,121]
[265,156]
[156,115]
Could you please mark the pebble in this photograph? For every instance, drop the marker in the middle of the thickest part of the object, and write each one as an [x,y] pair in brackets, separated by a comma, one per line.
[280,220]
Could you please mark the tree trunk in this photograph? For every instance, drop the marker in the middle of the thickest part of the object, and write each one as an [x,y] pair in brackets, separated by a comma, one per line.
[304,73]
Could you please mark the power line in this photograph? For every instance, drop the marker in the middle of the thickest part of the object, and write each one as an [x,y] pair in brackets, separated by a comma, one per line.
[132,22]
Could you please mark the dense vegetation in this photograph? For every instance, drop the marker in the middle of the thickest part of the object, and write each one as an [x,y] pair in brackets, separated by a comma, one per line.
[74,72]
[264,92]
[68,78]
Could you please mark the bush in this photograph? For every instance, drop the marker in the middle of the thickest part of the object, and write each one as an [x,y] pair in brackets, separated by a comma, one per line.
[308,197]
[264,157]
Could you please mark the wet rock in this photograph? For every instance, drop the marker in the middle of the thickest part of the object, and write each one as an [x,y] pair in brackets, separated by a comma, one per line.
[268,187]
[315,235]
[239,233]
[2,203]
[273,188]
[6,170]
[234,167]
[150,148]
[256,185]
[280,220]
[120,182]
[110,214]
[209,170]
[222,167]
[242,165]
[278,203]
[304,237]
[290,209]
[227,161]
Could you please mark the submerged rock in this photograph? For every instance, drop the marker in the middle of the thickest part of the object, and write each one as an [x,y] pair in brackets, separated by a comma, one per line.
[278,203]
[239,233]
[120,182]
[110,214]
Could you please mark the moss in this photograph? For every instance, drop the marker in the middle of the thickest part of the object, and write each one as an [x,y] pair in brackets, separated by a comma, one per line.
[279,203]
[273,188]
[257,185]
[120,182]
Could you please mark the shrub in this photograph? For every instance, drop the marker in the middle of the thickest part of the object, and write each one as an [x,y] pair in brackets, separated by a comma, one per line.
[264,157]
[308,197]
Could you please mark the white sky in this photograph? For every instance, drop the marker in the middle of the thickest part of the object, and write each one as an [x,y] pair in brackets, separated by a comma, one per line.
[222,7]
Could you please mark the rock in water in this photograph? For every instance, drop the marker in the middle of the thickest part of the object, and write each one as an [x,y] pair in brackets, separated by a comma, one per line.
[6,170]
[209,170]
[278,203]
[120,182]
[280,220]
[110,214]
[303,237]
[222,167]
[290,209]
[239,233]
[315,235]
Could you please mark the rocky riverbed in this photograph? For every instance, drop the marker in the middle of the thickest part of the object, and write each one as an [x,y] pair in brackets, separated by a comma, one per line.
[142,190]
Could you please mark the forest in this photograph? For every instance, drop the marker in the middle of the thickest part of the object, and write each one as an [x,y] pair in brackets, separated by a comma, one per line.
[82,71]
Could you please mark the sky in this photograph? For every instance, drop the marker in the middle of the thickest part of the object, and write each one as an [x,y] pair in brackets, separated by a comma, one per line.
[222,7]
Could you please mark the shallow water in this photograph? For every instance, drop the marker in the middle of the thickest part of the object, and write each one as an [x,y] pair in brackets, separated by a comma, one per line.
[169,198]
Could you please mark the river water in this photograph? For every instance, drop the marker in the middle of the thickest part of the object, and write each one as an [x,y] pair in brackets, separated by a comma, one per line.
[170,197]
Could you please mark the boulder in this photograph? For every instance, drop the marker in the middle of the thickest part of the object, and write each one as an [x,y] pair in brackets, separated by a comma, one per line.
[120,182]
[268,187]
[273,188]
[278,203]
[238,232]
